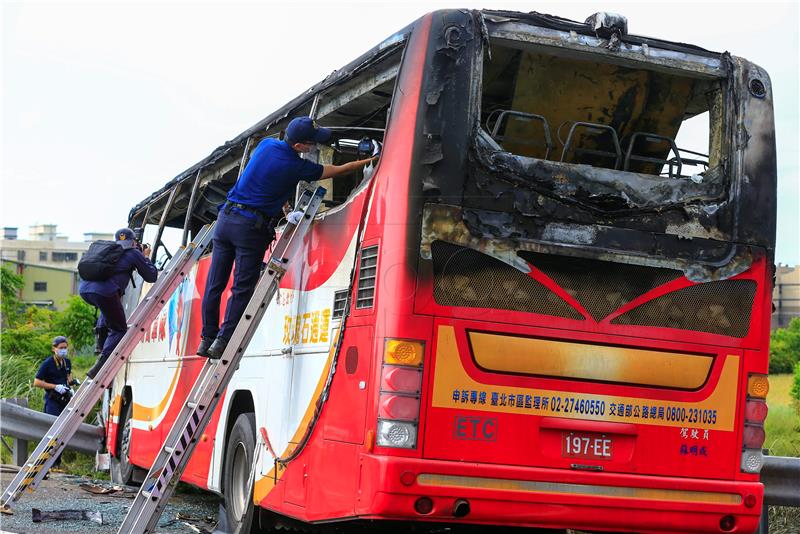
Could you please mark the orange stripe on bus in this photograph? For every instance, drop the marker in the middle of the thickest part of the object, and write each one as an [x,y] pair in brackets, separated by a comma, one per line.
[544,357]
[265,484]
[151,413]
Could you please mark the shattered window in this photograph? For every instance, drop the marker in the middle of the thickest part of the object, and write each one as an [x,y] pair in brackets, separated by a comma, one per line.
[570,108]
[357,112]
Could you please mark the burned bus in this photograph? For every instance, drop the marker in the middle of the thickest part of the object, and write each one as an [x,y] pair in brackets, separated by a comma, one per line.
[547,305]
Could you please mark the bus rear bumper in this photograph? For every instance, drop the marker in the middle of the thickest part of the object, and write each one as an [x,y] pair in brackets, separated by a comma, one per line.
[554,498]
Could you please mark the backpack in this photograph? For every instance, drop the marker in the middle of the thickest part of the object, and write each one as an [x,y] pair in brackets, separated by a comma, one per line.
[99,262]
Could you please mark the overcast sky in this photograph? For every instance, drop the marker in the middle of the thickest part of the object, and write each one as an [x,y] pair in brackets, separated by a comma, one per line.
[104,102]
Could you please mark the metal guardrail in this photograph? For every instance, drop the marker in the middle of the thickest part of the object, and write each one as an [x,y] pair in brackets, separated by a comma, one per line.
[781,478]
[25,424]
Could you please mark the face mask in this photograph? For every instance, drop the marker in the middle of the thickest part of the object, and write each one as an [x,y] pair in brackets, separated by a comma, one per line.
[61,352]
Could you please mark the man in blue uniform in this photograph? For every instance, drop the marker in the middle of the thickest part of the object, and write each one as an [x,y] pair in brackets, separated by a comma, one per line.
[246,223]
[54,377]
[106,295]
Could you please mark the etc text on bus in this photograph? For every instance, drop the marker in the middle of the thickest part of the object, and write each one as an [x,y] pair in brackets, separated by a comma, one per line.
[546,305]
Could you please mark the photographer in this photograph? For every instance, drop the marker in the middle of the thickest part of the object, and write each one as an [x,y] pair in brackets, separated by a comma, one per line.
[54,377]
[112,266]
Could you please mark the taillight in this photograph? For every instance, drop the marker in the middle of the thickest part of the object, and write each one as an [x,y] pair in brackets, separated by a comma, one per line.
[753,436]
[398,407]
[755,412]
[401,386]
[401,380]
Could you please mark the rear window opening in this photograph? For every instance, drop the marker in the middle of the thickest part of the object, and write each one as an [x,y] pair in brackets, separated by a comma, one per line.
[564,107]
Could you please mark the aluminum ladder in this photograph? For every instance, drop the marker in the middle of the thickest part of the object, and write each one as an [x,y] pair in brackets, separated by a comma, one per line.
[65,426]
[214,377]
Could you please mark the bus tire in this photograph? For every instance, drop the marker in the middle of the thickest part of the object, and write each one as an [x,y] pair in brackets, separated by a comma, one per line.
[122,470]
[236,473]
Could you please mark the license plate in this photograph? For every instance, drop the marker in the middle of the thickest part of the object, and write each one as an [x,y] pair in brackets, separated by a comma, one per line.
[590,446]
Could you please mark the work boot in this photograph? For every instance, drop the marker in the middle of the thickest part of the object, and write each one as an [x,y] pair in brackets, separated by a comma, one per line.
[100,336]
[93,370]
[205,343]
[217,348]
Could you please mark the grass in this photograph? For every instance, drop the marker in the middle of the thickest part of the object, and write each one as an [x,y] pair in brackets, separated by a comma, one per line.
[783,422]
[783,439]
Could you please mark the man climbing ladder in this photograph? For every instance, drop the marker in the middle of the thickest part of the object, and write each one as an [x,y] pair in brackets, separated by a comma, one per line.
[213,379]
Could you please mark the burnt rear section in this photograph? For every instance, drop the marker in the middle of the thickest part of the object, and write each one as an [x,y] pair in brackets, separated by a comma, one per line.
[722,307]
[601,287]
[543,132]
[466,277]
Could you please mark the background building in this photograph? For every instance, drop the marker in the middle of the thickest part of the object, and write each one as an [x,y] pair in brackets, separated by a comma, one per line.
[45,285]
[45,247]
[786,296]
[48,262]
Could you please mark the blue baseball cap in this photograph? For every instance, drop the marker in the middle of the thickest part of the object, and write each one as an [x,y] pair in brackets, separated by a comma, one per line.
[58,340]
[125,234]
[304,129]
[125,237]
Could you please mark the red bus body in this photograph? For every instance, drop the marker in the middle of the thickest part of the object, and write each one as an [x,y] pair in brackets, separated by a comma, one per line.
[555,411]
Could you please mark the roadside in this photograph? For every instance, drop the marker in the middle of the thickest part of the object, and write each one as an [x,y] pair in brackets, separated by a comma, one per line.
[188,510]
[783,439]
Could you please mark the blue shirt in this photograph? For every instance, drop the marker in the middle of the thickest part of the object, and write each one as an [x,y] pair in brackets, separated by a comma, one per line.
[271,175]
[132,259]
[54,373]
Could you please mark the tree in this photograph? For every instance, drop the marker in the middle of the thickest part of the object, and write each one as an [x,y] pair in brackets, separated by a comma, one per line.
[784,349]
[76,322]
[10,285]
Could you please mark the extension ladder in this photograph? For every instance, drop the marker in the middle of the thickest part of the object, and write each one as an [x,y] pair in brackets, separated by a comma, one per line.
[65,426]
[214,377]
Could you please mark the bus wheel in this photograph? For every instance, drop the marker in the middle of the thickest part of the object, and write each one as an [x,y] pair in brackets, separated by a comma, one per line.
[236,474]
[122,470]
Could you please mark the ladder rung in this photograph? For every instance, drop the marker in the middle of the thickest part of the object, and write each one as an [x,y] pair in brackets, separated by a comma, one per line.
[169,450]
[191,405]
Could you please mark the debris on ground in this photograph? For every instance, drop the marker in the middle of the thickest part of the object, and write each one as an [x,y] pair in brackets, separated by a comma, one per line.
[73,492]
[205,525]
[113,490]
[97,489]
[37,516]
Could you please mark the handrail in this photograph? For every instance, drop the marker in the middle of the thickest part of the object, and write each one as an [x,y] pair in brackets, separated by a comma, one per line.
[26,424]
[781,478]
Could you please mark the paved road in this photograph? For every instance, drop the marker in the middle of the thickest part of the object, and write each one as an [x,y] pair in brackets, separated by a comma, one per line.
[63,492]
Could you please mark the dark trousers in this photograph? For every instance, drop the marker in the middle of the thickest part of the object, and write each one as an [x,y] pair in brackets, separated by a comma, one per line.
[112,316]
[53,408]
[237,239]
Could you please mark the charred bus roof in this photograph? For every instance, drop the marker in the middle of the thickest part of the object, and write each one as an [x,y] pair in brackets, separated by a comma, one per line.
[222,164]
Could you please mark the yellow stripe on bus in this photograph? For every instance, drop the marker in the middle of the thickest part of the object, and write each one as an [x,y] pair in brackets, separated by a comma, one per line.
[151,413]
[264,485]
[452,384]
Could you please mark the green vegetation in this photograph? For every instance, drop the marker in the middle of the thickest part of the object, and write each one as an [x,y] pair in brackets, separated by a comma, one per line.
[795,393]
[784,348]
[783,422]
[25,341]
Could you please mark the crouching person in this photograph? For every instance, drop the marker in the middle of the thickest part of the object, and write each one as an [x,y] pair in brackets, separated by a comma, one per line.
[54,377]
[105,271]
